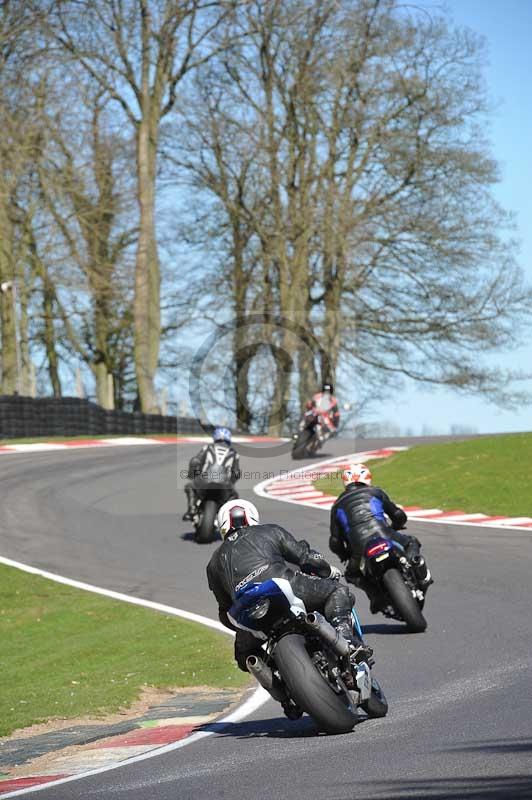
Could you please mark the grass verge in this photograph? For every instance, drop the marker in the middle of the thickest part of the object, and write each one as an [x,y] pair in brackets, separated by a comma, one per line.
[489,475]
[67,653]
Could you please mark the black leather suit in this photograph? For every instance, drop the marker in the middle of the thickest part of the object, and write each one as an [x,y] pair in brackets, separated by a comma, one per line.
[217,454]
[261,552]
[356,516]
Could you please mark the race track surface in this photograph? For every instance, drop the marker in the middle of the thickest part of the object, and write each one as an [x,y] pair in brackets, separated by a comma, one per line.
[460,720]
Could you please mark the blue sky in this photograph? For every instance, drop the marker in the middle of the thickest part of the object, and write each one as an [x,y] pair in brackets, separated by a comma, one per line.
[507,28]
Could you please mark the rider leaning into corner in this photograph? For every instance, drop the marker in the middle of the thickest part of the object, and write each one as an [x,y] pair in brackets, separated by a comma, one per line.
[220,454]
[361,512]
[252,553]
[325,404]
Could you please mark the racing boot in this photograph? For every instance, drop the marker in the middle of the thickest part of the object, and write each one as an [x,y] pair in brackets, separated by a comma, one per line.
[422,572]
[376,600]
[291,710]
[360,651]
[188,516]
[374,595]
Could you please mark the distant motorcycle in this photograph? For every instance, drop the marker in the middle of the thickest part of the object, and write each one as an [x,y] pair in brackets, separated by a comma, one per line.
[385,564]
[314,429]
[306,664]
[213,488]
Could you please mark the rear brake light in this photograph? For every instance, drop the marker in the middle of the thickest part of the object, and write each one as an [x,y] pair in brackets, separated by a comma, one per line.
[378,548]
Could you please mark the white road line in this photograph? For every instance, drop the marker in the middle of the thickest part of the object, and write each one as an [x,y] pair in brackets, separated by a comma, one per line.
[257,699]
[126,598]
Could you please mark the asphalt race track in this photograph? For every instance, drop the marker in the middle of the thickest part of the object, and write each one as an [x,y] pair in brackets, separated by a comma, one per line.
[460,720]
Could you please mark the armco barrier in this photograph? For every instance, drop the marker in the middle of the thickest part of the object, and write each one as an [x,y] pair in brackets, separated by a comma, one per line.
[22,417]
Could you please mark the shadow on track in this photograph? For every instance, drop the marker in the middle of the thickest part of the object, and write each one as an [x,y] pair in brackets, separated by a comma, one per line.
[386,629]
[494,746]
[310,459]
[493,787]
[277,728]
[189,536]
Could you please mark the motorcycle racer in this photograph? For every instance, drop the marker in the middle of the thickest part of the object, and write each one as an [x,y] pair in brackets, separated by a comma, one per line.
[359,513]
[221,454]
[252,552]
[325,405]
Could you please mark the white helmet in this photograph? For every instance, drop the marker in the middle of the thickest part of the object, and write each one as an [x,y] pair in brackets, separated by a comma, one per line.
[357,473]
[236,514]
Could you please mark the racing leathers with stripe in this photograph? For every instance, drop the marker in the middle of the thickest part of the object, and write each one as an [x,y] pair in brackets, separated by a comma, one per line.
[358,514]
[218,454]
[257,553]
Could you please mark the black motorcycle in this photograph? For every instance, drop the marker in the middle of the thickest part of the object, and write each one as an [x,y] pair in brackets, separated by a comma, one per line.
[306,664]
[314,430]
[213,488]
[401,597]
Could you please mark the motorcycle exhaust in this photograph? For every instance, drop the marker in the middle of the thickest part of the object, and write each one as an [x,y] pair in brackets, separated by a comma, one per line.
[328,633]
[265,677]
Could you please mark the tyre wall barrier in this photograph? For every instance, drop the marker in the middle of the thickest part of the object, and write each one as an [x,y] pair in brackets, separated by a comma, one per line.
[22,417]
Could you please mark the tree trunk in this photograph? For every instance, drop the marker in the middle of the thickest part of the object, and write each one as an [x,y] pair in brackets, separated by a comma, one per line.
[278,415]
[25,361]
[243,358]
[100,365]
[9,343]
[147,276]
[49,334]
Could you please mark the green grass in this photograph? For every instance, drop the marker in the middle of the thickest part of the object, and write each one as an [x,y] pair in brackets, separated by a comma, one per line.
[67,653]
[490,475]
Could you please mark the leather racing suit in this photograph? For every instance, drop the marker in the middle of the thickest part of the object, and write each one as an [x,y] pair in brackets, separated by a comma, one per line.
[326,405]
[218,454]
[260,552]
[358,514]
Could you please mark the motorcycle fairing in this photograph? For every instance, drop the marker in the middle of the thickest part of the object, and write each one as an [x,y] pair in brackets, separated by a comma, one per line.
[279,595]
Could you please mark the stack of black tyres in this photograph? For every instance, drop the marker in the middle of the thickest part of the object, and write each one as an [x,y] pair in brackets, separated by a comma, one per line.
[28,417]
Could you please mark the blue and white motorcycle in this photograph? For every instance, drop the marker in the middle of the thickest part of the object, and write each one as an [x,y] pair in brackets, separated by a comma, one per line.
[306,663]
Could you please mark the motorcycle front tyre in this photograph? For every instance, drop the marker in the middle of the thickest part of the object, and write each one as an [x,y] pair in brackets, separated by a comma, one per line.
[300,448]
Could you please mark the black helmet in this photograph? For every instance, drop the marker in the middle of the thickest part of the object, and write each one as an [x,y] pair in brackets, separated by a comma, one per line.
[327,387]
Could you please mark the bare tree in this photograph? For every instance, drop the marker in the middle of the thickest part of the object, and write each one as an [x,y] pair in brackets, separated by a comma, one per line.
[19,138]
[85,183]
[345,142]
[138,52]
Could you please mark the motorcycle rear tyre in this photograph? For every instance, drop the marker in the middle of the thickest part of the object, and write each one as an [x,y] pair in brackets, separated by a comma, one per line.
[205,529]
[309,689]
[403,601]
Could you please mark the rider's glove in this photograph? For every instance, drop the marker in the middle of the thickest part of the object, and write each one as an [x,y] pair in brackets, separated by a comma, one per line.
[336,573]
